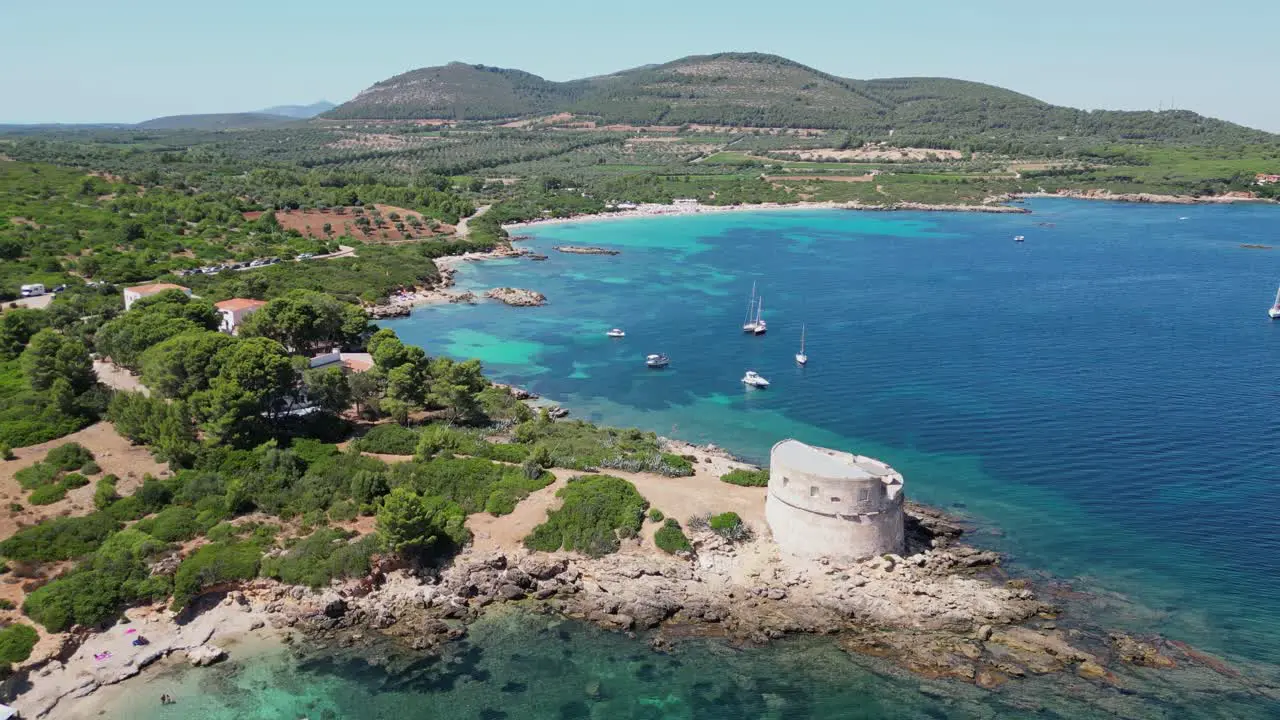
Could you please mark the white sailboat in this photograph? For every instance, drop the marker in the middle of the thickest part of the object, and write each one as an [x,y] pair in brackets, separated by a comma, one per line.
[1274,310]
[760,326]
[800,356]
[754,379]
[749,325]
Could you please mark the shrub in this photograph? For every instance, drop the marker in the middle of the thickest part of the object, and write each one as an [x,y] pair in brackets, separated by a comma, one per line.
[655,515]
[6,604]
[6,452]
[417,526]
[322,556]
[388,439]
[729,526]
[90,468]
[16,642]
[746,478]
[671,539]
[214,564]
[37,475]
[469,482]
[47,495]
[68,456]
[343,511]
[173,524]
[15,507]
[105,492]
[71,481]
[596,509]
[59,538]
[501,501]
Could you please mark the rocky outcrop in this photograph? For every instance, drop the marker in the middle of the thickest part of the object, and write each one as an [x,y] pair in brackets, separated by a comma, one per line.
[378,312]
[206,655]
[582,250]
[517,297]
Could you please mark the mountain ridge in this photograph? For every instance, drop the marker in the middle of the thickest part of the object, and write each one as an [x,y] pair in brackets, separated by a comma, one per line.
[761,90]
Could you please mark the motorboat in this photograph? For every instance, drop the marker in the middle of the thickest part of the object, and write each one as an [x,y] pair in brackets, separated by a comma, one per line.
[1018,238]
[754,379]
[616,333]
[801,358]
[657,361]
[1274,310]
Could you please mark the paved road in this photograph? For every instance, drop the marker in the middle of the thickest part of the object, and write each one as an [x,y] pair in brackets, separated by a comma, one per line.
[36,303]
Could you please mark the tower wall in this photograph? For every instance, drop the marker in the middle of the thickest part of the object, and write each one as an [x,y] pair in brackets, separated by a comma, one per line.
[823,503]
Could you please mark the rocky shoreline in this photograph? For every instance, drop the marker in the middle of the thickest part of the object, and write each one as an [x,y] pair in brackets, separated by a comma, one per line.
[1100,194]
[577,250]
[517,297]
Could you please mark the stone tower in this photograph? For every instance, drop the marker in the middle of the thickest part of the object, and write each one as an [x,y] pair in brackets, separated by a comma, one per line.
[825,503]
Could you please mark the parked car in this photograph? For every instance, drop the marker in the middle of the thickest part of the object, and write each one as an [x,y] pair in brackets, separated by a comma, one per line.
[306,256]
[59,288]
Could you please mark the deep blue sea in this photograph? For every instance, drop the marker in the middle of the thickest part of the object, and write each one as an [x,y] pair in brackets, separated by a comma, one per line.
[1099,400]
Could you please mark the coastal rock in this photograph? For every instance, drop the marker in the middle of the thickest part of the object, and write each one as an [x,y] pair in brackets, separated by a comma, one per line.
[1136,652]
[206,655]
[334,607]
[583,250]
[378,312]
[517,297]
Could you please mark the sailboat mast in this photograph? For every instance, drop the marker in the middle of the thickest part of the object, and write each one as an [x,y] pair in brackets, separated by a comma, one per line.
[801,338]
[759,309]
[1278,297]
[751,303]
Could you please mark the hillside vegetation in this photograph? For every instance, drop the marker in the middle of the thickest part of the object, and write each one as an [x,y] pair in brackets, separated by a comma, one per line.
[757,90]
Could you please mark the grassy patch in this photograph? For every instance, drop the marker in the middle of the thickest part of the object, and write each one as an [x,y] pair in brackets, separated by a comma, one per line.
[597,511]
[746,478]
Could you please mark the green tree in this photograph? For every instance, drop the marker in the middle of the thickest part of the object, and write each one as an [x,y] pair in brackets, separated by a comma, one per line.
[182,365]
[415,526]
[328,388]
[51,356]
[365,389]
[306,321]
[454,387]
[17,326]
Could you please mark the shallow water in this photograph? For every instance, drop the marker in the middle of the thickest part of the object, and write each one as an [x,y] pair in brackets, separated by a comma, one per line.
[1099,399]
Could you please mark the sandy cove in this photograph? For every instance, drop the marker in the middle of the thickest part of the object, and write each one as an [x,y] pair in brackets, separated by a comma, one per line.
[944,610]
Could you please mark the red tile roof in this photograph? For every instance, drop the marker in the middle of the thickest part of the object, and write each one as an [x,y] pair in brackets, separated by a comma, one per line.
[157,287]
[240,304]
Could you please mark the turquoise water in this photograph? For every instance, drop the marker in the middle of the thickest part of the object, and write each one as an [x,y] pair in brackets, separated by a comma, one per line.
[1099,400]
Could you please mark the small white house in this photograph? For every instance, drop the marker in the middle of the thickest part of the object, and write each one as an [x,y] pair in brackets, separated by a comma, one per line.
[235,310]
[134,294]
[349,362]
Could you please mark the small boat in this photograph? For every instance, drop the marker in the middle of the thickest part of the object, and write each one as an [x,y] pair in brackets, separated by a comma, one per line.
[1018,238]
[657,361]
[616,333]
[800,356]
[753,379]
[761,327]
[1274,310]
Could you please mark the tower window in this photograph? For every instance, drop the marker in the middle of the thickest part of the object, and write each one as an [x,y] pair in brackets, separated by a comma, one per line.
[864,495]
[835,499]
[813,491]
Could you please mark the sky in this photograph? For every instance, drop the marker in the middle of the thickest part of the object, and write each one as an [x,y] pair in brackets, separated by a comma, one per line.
[76,61]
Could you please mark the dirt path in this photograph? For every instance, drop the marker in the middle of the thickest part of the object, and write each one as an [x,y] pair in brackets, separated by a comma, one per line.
[118,378]
[464,227]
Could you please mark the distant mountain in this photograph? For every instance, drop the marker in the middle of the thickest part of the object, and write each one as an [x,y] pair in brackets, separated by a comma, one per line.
[301,112]
[215,121]
[758,90]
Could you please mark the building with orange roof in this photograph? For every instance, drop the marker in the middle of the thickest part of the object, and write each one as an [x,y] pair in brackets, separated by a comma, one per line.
[134,294]
[235,310]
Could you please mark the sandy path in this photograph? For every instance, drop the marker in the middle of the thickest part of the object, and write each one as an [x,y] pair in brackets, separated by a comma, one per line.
[118,378]
[464,227]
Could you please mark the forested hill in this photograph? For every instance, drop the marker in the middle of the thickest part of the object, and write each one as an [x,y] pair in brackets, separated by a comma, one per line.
[752,89]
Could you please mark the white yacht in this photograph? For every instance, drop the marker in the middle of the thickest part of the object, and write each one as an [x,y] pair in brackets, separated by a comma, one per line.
[1018,238]
[657,361]
[1274,310]
[753,379]
[760,327]
[616,333]
[800,356]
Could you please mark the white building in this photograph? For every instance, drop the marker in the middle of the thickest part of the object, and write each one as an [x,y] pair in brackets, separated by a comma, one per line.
[134,294]
[235,310]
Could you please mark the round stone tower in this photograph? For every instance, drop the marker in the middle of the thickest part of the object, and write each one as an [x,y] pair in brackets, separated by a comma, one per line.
[825,503]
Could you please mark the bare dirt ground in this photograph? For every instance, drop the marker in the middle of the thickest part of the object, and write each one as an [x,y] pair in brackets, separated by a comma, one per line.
[833,178]
[886,153]
[39,302]
[118,378]
[311,224]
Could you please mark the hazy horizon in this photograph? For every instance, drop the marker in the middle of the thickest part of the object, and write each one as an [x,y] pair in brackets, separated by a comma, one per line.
[99,64]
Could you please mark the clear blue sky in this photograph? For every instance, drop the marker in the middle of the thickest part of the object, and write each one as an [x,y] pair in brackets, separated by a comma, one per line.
[82,61]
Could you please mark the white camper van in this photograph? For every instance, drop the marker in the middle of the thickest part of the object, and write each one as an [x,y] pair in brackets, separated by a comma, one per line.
[32,290]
